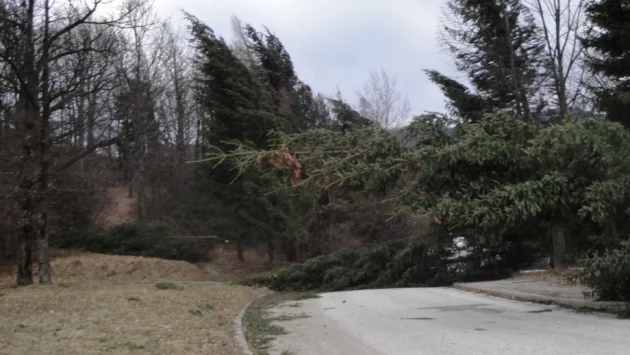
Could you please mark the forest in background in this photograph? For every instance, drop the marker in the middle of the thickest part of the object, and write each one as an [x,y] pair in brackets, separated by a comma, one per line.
[222,138]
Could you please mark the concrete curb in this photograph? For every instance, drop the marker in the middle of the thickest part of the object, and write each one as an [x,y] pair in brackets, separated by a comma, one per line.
[608,307]
[239,333]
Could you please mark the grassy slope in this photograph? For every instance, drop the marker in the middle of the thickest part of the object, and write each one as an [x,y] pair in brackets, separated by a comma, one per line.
[121,319]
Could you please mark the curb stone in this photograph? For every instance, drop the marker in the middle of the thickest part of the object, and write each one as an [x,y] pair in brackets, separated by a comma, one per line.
[608,307]
[239,333]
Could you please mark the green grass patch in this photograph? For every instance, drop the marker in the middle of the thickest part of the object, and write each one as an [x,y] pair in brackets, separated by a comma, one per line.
[257,322]
[259,332]
[133,346]
[196,312]
[168,286]
[290,318]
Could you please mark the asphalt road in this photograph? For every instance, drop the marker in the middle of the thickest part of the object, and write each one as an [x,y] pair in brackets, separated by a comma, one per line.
[442,321]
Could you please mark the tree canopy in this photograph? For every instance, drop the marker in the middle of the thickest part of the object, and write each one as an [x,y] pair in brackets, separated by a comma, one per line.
[609,55]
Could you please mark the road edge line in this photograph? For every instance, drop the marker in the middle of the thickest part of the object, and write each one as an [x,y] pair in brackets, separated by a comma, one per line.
[239,330]
[607,307]
[239,333]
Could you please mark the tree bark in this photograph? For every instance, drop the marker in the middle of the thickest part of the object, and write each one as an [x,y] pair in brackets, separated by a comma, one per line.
[43,255]
[558,235]
[25,258]
[240,249]
[271,252]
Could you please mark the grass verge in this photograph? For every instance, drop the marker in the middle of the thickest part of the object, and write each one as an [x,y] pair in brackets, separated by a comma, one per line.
[121,319]
[258,324]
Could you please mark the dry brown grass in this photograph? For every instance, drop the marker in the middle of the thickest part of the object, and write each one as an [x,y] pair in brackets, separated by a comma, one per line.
[118,208]
[74,266]
[225,265]
[121,319]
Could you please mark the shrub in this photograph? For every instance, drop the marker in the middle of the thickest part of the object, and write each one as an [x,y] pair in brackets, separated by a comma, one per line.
[168,286]
[608,274]
[394,264]
[149,239]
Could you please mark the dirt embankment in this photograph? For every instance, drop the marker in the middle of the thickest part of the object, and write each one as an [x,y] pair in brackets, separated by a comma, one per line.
[118,208]
[76,267]
[73,266]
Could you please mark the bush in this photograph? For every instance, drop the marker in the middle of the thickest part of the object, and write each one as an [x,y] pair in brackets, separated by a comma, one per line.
[394,264]
[76,199]
[168,286]
[608,274]
[149,239]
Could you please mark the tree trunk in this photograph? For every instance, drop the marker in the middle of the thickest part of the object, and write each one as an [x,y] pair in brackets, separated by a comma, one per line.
[559,247]
[271,252]
[43,256]
[240,248]
[291,253]
[315,241]
[180,139]
[320,224]
[25,258]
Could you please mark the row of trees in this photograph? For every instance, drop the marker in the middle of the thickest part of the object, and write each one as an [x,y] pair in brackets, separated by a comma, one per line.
[540,59]
[248,93]
[513,162]
[94,94]
[87,93]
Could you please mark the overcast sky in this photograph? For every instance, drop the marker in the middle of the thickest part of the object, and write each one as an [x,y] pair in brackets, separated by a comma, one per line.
[335,43]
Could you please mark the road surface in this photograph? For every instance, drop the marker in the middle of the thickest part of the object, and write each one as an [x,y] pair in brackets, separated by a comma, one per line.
[442,321]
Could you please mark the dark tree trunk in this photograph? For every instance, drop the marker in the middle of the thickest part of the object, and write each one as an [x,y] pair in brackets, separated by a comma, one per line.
[559,241]
[271,252]
[291,253]
[240,248]
[25,258]
[320,225]
[180,139]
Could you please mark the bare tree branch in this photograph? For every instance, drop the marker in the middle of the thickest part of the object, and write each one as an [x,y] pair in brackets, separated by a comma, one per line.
[382,102]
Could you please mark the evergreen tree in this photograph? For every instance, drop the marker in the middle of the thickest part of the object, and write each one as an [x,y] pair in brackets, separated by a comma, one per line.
[513,189]
[291,99]
[461,102]
[495,43]
[228,93]
[346,118]
[609,43]
[312,109]
[245,203]
[276,73]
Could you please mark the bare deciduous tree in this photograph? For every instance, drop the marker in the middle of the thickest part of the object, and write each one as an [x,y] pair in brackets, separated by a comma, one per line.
[382,102]
[140,82]
[561,22]
[177,104]
[241,45]
[45,79]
